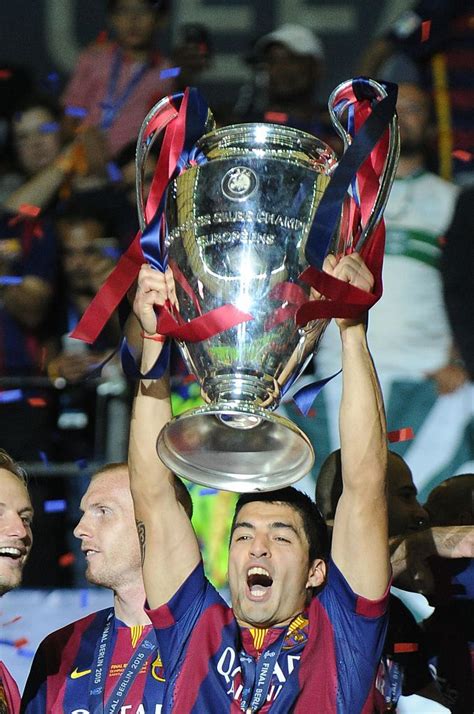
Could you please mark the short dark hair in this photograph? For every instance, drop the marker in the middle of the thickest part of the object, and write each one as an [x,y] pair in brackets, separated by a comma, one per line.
[314,525]
[9,464]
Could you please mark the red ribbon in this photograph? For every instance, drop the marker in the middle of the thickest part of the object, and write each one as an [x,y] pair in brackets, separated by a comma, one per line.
[125,272]
[203,327]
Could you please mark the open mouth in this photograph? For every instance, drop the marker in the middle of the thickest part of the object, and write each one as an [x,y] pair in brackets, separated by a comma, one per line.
[259,583]
[11,553]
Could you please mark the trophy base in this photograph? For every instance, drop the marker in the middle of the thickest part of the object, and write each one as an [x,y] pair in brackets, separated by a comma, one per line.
[235,447]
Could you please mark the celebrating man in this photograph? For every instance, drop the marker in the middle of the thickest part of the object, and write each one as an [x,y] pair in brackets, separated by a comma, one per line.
[16,513]
[281,647]
[107,661]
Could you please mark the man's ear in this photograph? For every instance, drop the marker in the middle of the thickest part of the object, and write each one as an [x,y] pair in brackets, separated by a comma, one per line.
[317,573]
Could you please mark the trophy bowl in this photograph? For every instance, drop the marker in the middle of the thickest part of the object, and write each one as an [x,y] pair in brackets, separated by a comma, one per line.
[237,225]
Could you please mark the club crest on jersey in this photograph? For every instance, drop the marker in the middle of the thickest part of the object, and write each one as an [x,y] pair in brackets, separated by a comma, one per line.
[297,633]
[157,669]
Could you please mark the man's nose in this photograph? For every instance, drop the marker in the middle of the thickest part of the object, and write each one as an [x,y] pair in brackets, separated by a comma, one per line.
[82,530]
[259,547]
[421,517]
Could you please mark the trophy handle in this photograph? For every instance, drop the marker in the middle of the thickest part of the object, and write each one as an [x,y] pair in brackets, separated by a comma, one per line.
[155,122]
[390,163]
[161,114]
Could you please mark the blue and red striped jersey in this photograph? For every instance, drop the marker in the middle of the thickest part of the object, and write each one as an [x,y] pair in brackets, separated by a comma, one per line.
[327,662]
[62,673]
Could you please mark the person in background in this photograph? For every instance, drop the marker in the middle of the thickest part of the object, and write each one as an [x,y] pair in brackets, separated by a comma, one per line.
[50,166]
[288,65]
[63,674]
[403,658]
[87,255]
[16,538]
[432,43]
[115,83]
[457,269]
[424,385]
[16,83]
[449,631]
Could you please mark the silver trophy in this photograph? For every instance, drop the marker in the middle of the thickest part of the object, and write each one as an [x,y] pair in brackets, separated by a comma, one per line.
[237,228]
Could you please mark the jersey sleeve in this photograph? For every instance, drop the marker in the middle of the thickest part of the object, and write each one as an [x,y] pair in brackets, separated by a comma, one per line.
[9,689]
[359,627]
[33,700]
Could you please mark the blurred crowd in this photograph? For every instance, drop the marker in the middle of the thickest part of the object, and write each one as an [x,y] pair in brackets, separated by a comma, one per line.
[68,212]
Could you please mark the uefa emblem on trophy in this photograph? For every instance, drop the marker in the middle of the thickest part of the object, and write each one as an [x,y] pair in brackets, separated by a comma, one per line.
[237,223]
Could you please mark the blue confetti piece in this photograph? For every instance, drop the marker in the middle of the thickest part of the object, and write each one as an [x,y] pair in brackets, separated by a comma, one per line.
[84,597]
[57,505]
[114,172]
[77,112]
[111,252]
[81,464]
[44,458]
[22,652]
[11,395]
[10,280]
[49,127]
[53,77]
[208,491]
[170,72]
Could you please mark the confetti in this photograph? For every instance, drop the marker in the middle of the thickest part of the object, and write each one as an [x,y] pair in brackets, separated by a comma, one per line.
[76,112]
[170,72]
[102,37]
[11,395]
[37,402]
[25,653]
[26,209]
[111,252]
[66,559]
[278,117]
[20,642]
[49,127]
[12,621]
[84,597]
[398,435]
[208,491]
[57,505]
[10,280]
[425,30]
[462,155]
[113,171]
[44,457]
[5,73]
[81,464]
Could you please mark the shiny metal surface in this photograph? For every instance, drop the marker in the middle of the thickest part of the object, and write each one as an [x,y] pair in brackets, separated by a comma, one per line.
[237,229]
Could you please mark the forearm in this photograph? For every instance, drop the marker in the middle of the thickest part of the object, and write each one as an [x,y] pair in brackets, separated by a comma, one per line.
[362,417]
[37,191]
[151,411]
[360,534]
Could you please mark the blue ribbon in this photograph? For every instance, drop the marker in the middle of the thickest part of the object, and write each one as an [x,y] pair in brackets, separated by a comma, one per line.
[328,212]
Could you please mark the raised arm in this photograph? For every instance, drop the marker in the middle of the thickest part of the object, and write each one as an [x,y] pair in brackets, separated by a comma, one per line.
[169,546]
[360,536]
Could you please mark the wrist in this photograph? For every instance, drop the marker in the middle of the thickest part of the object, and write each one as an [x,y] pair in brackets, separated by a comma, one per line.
[154,337]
